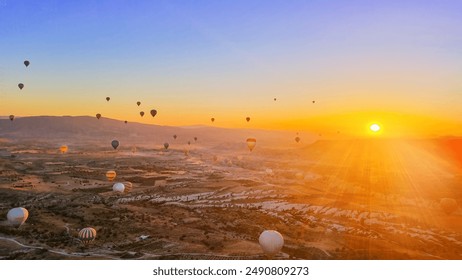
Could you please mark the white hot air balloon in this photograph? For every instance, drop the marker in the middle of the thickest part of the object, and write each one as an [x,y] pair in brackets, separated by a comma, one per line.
[118,187]
[269,172]
[17,216]
[87,235]
[271,242]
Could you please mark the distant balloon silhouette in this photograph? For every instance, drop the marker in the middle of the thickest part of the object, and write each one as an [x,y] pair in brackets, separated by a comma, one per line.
[141,113]
[115,144]
[189,142]
[138,103]
[271,242]
[110,175]
[133,149]
[297,139]
[21,86]
[11,117]
[449,205]
[313,101]
[108,98]
[251,142]
[247,119]
[17,216]
[153,113]
[98,116]
[63,149]
[166,145]
[26,62]
[174,136]
[212,119]
[125,122]
[87,235]
[195,138]
[274,99]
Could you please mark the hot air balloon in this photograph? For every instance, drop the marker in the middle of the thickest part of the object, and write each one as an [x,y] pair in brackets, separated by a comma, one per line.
[297,139]
[108,98]
[26,62]
[274,99]
[271,242]
[174,136]
[141,113]
[63,149]
[269,172]
[133,149]
[115,144]
[166,145]
[247,119]
[153,113]
[448,205]
[251,142]
[11,117]
[313,101]
[189,142]
[128,186]
[87,235]
[195,138]
[20,85]
[186,152]
[212,119]
[98,116]
[110,175]
[138,103]
[118,187]
[17,216]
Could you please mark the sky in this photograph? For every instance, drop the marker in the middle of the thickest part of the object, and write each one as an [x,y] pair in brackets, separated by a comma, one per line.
[396,63]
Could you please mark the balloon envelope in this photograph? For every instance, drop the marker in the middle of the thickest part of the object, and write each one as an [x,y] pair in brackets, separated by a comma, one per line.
[212,119]
[153,113]
[98,116]
[166,145]
[17,216]
[118,187]
[247,119]
[20,85]
[174,136]
[26,62]
[138,103]
[271,242]
[448,205]
[128,186]
[110,175]
[108,98]
[141,113]
[297,139]
[11,117]
[251,142]
[115,144]
[63,149]
[87,235]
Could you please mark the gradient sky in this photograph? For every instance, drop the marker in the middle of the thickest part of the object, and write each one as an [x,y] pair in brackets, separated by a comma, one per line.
[398,63]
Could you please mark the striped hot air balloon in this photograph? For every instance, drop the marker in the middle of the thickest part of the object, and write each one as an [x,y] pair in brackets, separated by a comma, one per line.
[87,235]
[128,186]
[110,175]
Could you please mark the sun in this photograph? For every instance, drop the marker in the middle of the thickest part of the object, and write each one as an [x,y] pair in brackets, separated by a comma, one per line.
[374,127]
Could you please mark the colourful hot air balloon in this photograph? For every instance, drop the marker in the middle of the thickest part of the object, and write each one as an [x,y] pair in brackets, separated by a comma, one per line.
[251,142]
[138,103]
[247,119]
[212,119]
[166,145]
[110,175]
[98,116]
[153,113]
[108,98]
[118,187]
[128,186]
[21,86]
[87,235]
[26,62]
[115,144]
[297,139]
[17,216]
[271,242]
[63,149]
[11,117]
[141,113]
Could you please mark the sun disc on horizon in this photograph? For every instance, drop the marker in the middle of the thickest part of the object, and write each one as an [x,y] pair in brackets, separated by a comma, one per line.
[375,127]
